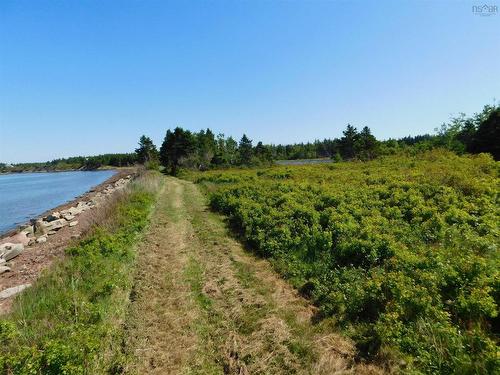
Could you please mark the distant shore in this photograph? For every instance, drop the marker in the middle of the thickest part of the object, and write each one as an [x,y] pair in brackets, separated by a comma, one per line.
[106,168]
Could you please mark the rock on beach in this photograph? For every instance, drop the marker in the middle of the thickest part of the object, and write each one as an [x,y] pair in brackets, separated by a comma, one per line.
[9,292]
[10,250]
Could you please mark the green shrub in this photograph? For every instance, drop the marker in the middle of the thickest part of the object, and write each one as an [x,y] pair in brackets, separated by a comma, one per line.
[402,251]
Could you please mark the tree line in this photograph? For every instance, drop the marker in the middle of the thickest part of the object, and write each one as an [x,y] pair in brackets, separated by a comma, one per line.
[203,150]
[75,163]
[474,134]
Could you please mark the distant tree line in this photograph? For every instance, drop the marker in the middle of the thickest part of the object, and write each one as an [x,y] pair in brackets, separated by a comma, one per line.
[74,163]
[203,150]
[475,134]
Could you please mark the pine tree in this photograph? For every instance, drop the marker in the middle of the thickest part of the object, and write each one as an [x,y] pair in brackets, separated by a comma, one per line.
[146,151]
[177,145]
[348,142]
[245,150]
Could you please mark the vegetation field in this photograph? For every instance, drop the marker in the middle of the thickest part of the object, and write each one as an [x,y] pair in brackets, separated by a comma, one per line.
[400,252]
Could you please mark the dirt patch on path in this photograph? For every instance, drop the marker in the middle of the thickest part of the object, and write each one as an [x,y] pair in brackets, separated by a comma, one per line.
[203,305]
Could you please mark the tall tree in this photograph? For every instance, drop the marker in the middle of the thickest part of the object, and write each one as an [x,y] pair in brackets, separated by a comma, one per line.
[245,150]
[206,147]
[487,137]
[263,152]
[260,150]
[367,143]
[177,145]
[231,151]
[220,150]
[146,151]
[348,142]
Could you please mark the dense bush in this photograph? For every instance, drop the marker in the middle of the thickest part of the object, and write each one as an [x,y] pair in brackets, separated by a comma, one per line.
[401,252]
[68,322]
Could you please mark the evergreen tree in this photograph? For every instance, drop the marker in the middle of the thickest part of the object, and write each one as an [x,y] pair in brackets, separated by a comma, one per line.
[220,150]
[245,150]
[348,142]
[263,152]
[177,145]
[487,137]
[231,151]
[146,151]
[206,147]
[367,144]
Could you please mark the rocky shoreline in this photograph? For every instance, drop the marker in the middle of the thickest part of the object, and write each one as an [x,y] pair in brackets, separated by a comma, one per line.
[26,251]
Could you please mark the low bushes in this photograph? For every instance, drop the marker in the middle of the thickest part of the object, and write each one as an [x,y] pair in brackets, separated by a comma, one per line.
[402,252]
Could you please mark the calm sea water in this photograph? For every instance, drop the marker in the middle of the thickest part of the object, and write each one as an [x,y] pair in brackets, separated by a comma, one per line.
[26,195]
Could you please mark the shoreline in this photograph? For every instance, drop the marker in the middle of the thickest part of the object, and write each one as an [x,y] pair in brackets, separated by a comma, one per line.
[87,194]
[37,256]
[110,168]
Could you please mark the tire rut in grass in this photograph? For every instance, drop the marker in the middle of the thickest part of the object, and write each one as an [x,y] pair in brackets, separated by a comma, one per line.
[159,337]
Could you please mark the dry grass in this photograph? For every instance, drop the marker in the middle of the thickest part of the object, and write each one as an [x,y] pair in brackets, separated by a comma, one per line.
[158,325]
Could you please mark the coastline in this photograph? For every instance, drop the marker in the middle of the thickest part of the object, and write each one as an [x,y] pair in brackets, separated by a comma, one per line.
[69,170]
[27,266]
[120,173]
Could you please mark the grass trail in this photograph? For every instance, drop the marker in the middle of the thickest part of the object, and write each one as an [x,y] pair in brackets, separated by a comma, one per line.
[202,305]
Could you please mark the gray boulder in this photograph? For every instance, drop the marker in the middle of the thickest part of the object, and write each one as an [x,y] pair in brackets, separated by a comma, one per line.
[4,269]
[28,229]
[57,224]
[40,227]
[9,292]
[75,210]
[20,237]
[53,216]
[82,205]
[42,239]
[10,250]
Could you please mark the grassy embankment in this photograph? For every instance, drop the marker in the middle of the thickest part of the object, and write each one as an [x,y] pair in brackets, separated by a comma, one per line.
[69,322]
[401,252]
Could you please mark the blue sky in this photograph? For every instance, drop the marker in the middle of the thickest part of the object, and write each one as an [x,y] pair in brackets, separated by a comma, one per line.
[88,77]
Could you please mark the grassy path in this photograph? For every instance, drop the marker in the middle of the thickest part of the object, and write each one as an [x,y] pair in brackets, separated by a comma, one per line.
[202,305]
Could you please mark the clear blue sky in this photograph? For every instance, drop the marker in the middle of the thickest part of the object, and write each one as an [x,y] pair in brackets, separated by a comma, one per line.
[88,77]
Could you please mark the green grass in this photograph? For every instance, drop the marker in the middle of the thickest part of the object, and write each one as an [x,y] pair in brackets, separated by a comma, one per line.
[69,321]
[194,276]
[207,358]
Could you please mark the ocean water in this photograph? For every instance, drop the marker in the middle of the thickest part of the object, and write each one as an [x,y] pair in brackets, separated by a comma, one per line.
[24,196]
